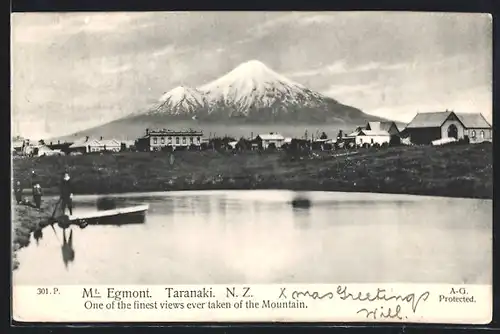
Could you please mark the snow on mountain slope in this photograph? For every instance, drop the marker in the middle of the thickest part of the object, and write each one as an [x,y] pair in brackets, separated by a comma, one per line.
[252,92]
[253,84]
[180,100]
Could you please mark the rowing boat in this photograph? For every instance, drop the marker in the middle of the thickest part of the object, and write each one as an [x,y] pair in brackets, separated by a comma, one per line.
[120,216]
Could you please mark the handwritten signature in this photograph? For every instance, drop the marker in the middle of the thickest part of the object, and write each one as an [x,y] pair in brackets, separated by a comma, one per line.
[387,313]
[380,295]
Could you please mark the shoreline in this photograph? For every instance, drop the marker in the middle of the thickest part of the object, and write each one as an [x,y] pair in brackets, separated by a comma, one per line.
[26,220]
[231,187]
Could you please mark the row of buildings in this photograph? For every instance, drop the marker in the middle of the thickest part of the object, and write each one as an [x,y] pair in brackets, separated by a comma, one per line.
[26,147]
[425,128]
[155,140]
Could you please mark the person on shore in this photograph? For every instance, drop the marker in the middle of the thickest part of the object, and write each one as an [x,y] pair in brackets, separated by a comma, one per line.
[34,182]
[66,194]
[18,191]
[37,195]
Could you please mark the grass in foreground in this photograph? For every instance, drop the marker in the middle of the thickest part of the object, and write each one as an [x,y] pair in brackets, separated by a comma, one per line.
[456,171]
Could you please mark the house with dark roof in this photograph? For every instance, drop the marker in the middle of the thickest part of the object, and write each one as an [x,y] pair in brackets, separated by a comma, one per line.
[364,137]
[375,133]
[388,126]
[427,127]
[476,126]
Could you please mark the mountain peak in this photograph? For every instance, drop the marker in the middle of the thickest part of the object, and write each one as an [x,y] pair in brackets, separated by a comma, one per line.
[180,100]
[252,65]
[177,93]
[255,92]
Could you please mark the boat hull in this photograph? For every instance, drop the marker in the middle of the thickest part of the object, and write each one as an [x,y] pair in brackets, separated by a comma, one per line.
[118,219]
[123,216]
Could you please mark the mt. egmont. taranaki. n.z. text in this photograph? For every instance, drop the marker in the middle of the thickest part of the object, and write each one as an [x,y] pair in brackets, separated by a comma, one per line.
[252,92]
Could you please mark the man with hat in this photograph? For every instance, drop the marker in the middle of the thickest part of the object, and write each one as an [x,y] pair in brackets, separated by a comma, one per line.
[36,190]
[66,194]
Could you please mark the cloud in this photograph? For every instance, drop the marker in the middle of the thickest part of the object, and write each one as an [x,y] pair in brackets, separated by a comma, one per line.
[100,65]
[169,49]
[118,69]
[263,29]
[337,67]
[340,90]
[475,100]
[340,67]
[44,28]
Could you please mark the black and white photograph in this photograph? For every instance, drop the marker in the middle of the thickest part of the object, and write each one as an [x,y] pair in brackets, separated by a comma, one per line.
[228,147]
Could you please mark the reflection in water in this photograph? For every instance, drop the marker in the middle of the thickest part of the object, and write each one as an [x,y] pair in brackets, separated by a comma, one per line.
[38,234]
[301,218]
[224,237]
[68,253]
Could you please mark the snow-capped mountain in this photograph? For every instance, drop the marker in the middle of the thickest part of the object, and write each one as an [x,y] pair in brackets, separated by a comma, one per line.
[180,101]
[253,92]
[251,96]
[254,85]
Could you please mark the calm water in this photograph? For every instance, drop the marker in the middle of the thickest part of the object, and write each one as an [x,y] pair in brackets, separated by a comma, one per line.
[257,237]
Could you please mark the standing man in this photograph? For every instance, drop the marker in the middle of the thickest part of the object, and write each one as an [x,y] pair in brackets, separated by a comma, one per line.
[36,189]
[37,195]
[18,190]
[66,194]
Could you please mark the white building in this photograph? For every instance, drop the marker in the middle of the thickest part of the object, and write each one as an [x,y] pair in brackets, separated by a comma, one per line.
[156,139]
[370,137]
[111,145]
[270,139]
[88,145]
[43,150]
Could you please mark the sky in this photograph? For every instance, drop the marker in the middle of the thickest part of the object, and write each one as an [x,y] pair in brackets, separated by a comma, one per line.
[72,71]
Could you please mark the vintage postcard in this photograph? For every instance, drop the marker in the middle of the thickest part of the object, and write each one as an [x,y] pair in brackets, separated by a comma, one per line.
[252,166]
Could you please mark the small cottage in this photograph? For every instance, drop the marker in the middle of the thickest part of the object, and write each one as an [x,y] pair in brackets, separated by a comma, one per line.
[476,127]
[370,137]
[17,146]
[109,145]
[43,150]
[88,145]
[270,140]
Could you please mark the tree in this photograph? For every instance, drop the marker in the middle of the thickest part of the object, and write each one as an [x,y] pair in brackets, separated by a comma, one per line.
[41,142]
[323,136]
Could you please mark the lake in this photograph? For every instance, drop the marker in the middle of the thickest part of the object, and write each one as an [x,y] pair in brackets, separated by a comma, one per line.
[251,236]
